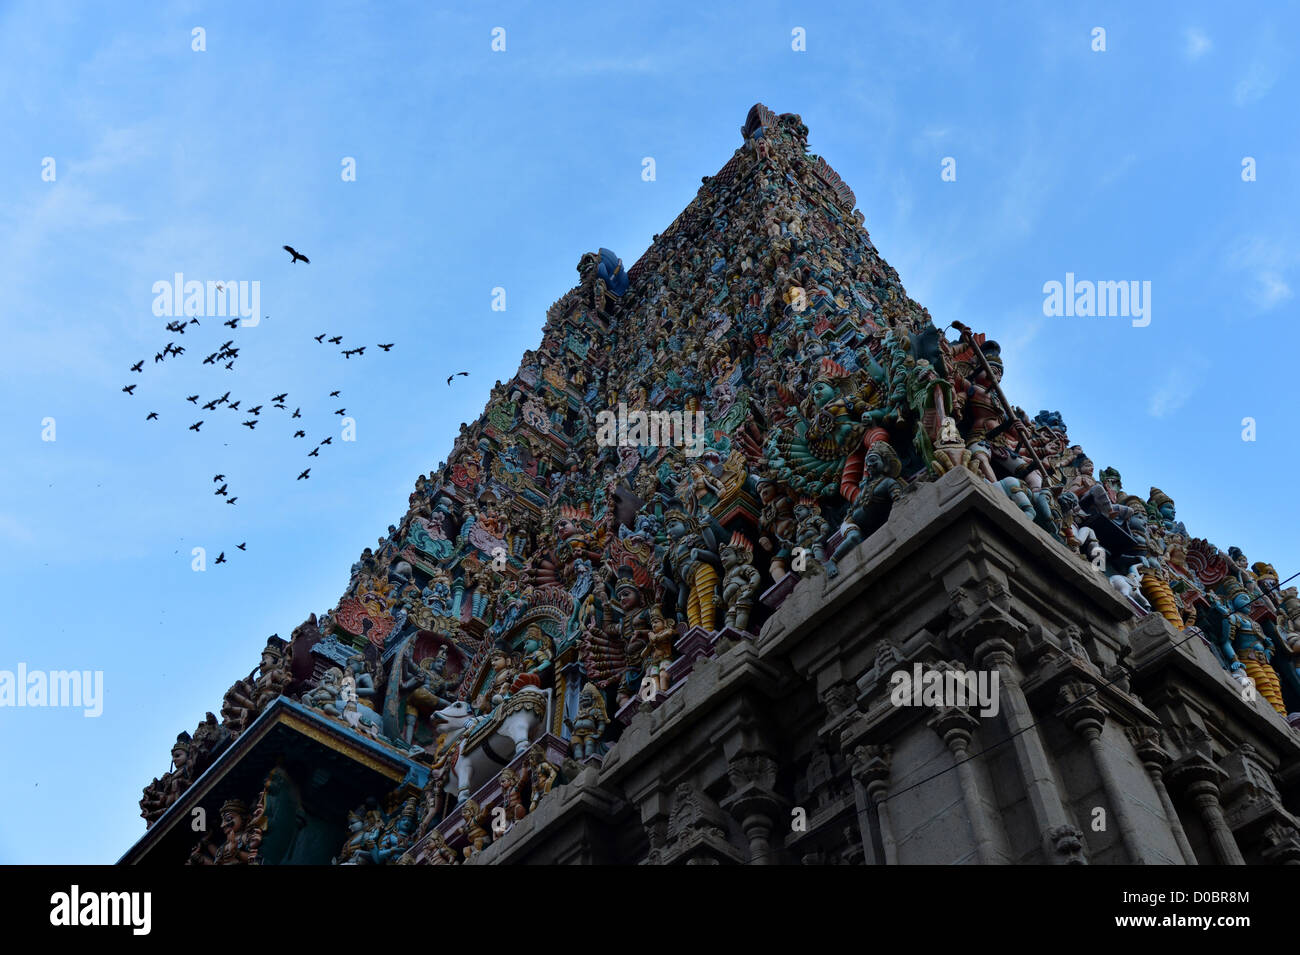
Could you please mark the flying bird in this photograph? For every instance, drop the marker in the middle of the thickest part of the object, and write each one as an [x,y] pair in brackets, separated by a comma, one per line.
[281,397]
[232,500]
[327,440]
[210,406]
[234,405]
[157,357]
[336,339]
[129,389]
[296,255]
[321,337]
[256,409]
[250,425]
[304,474]
[193,399]
[138,366]
[230,366]
[341,411]
[152,416]
[218,477]
[221,491]
[221,558]
[211,359]
[222,399]
[233,323]
[196,425]
[386,347]
[194,321]
[300,434]
[314,453]
[450,377]
[334,394]
[296,413]
[242,546]
[278,405]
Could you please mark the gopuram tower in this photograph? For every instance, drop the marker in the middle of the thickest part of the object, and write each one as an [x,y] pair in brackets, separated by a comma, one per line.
[752,562]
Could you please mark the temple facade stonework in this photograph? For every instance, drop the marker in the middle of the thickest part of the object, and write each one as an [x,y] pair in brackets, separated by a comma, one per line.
[751,563]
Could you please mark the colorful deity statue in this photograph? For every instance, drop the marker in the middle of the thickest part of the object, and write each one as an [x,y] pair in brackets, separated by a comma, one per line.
[740,580]
[588,724]
[810,532]
[871,509]
[476,823]
[690,569]
[542,774]
[1243,645]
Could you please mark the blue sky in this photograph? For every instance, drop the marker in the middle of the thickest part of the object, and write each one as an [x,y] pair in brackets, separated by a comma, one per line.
[478,169]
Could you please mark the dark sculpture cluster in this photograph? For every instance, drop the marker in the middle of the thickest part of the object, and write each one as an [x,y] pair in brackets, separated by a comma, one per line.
[546,585]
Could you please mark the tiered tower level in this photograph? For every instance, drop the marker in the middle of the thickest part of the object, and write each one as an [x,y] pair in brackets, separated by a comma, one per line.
[587,553]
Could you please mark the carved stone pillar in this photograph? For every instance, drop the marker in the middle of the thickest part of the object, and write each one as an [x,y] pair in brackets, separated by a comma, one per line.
[1083,712]
[1146,742]
[870,766]
[754,802]
[1199,778]
[955,725]
[1061,841]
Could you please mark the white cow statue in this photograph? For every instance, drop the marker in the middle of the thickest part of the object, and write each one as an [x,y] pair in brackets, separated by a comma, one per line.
[487,743]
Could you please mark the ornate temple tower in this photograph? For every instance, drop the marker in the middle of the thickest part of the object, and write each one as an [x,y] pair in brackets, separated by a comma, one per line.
[750,563]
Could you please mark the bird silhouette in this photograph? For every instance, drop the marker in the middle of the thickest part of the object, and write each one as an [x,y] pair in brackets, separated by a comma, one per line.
[221,558]
[296,413]
[334,394]
[256,409]
[242,546]
[250,425]
[193,399]
[211,359]
[210,406]
[233,323]
[336,339]
[196,425]
[296,255]
[304,474]
[232,500]
[222,399]
[234,405]
[221,491]
[341,411]
[278,405]
[314,453]
[152,416]
[227,344]
[194,321]
[157,357]
[138,366]
[450,377]
[129,389]
[300,434]
[281,397]
[230,366]
[386,347]
[327,441]
[218,477]
[321,337]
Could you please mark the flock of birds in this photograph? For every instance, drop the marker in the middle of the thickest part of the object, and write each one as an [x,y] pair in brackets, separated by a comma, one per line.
[227,354]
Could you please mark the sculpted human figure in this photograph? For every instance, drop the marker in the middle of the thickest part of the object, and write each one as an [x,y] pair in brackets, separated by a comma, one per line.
[740,580]
[871,509]
[543,774]
[691,569]
[588,724]
[476,832]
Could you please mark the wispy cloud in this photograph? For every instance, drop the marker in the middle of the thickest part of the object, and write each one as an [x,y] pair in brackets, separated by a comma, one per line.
[1197,44]
[1175,387]
[1254,86]
[1266,262]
